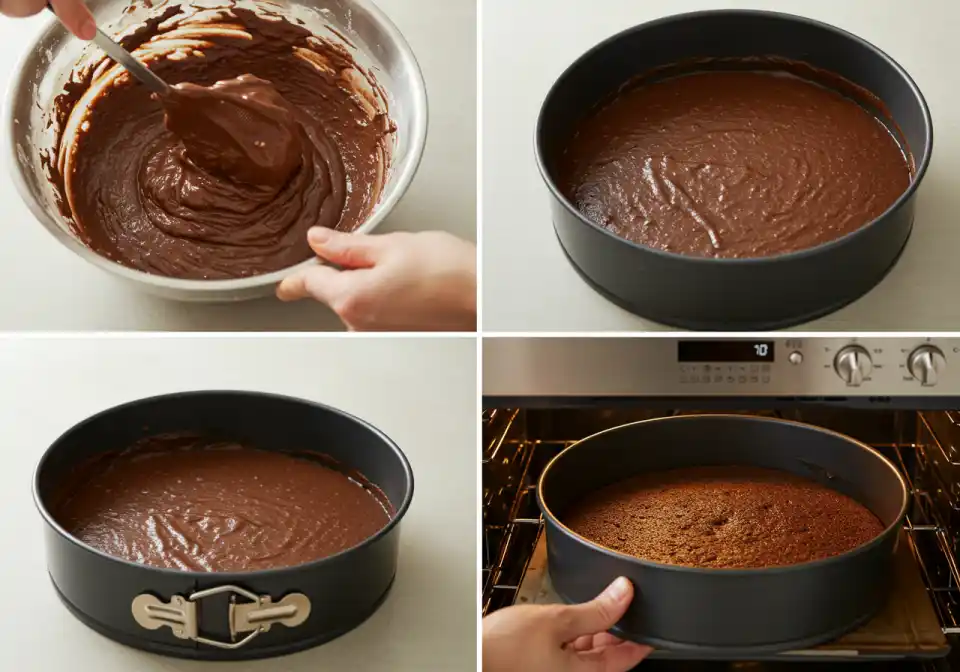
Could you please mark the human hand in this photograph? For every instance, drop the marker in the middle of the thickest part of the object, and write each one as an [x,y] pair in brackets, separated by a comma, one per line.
[73,13]
[391,282]
[562,638]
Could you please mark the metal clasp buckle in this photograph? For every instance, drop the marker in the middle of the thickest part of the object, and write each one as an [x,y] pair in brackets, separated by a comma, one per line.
[256,615]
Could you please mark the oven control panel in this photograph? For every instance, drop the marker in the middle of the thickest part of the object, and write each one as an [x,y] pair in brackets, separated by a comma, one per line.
[659,366]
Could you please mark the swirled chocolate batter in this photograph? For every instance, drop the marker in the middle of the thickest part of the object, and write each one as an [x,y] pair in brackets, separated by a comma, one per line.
[734,163]
[188,502]
[270,130]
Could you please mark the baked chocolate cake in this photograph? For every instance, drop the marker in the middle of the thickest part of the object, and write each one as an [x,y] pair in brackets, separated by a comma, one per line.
[723,517]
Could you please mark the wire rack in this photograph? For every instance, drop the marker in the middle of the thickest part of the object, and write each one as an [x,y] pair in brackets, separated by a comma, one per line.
[508,538]
[933,520]
[512,525]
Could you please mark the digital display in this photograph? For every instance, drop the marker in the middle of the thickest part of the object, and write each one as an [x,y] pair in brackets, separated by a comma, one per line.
[725,351]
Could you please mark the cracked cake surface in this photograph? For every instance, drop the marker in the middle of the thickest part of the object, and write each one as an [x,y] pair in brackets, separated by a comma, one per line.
[723,517]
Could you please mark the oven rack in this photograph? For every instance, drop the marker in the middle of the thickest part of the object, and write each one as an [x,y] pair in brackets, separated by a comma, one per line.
[509,543]
[932,522]
[506,541]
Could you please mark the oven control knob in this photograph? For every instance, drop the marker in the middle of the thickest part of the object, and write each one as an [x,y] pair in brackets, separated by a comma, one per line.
[926,363]
[853,365]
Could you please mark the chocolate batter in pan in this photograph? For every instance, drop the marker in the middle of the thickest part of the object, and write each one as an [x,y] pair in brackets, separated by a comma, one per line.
[735,163]
[187,502]
[226,184]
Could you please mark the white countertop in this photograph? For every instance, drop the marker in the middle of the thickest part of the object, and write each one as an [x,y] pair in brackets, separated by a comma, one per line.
[46,287]
[421,393]
[528,285]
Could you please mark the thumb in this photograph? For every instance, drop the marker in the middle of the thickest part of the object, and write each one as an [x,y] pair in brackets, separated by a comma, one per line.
[348,250]
[598,615]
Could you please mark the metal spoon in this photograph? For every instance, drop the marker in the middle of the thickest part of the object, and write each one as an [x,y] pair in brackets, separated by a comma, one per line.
[127,60]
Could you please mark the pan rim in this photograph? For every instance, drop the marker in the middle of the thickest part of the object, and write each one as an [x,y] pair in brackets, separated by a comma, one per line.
[727,571]
[227,577]
[546,173]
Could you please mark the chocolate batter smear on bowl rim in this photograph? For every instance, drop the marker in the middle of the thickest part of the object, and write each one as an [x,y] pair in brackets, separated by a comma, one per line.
[735,158]
[269,130]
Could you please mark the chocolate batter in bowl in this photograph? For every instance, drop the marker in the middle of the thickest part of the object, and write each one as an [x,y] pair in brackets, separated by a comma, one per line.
[733,169]
[330,132]
[175,524]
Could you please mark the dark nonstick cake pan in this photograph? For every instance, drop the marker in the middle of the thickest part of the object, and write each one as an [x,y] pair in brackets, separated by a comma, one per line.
[732,294]
[718,612]
[221,615]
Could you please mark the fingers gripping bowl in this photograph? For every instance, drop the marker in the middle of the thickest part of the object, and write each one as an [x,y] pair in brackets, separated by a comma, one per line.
[378,70]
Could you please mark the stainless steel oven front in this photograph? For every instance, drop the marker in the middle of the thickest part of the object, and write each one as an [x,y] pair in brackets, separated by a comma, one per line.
[901,395]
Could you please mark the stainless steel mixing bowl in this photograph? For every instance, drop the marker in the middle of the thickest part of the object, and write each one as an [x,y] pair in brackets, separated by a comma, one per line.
[41,73]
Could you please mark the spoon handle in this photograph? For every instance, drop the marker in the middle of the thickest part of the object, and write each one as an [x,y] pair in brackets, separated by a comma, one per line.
[127,60]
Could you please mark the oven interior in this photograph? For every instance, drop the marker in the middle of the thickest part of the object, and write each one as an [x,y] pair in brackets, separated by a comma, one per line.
[519,442]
